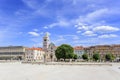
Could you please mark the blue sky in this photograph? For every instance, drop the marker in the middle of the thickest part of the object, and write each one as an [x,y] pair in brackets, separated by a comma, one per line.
[75,22]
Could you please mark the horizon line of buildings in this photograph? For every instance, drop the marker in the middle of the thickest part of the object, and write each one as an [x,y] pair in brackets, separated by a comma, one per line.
[38,54]
[47,52]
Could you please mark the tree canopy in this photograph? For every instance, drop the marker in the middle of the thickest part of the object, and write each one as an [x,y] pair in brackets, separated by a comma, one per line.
[85,56]
[96,56]
[64,51]
[75,56]
[109,57]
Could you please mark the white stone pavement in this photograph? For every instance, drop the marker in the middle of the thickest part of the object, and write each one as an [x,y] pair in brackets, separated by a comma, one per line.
[18,71]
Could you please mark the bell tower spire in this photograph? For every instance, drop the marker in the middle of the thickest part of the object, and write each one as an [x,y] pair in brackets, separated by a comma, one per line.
[46,41]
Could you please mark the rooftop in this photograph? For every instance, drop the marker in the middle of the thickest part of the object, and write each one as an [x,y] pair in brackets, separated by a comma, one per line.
[78,48]
[33,48]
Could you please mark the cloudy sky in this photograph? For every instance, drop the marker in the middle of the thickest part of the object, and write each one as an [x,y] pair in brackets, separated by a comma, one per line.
[75,22]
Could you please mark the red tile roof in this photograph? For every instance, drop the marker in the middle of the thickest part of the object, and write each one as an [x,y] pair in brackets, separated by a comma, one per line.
[33,48]
[78,48]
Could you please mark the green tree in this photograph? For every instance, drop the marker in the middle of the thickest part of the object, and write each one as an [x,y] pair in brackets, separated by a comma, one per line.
[85,56]
[69,56]
[64,51]
[109,57]
[75,56]
[96,56]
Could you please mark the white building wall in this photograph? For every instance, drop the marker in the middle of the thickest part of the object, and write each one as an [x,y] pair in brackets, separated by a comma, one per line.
[79,53]
[34,55]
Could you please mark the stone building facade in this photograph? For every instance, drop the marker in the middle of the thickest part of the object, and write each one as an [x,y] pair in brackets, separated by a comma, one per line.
[12,53]
[49,48]
[103,50]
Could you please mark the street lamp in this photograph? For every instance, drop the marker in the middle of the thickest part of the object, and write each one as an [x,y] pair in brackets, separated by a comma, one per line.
[45,57]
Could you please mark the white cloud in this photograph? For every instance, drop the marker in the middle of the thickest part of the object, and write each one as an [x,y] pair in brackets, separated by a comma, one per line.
[33,33]
[92,19]
[78,32]
[64,39]
[75,37]
[8,33]
[92,16]
[96,14]
[105,29]
[35,30]
[83,27]
[38,7]
[42,12]
[61,22]
[107,36]
[59,40]
[31,3]
[89,33]
[45,27]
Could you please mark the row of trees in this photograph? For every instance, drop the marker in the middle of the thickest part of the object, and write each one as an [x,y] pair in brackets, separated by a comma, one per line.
[65,52]
[97,57]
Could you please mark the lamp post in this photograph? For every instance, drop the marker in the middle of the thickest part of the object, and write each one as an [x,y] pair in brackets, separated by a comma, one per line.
[45,57]
[51,56]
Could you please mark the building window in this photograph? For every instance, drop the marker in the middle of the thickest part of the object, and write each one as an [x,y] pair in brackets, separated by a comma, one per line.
[51,48]
[45,40]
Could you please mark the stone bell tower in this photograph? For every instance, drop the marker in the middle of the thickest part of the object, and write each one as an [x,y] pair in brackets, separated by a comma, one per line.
[46,42]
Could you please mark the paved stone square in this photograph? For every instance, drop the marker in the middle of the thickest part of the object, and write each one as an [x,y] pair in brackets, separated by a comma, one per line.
[18,71]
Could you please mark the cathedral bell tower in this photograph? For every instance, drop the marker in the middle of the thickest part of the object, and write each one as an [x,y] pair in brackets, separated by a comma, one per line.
[46,42]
